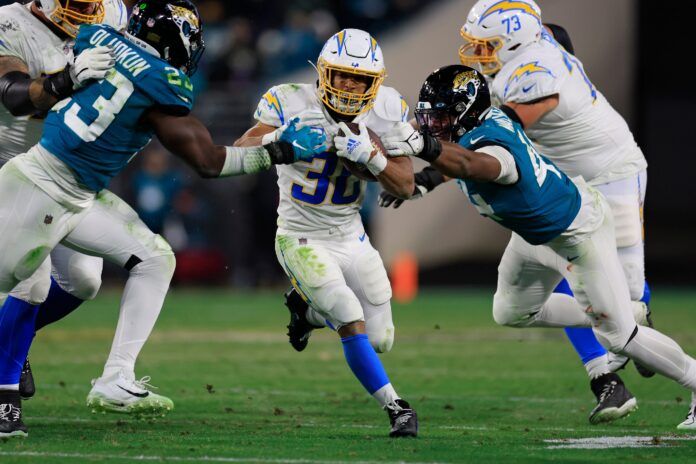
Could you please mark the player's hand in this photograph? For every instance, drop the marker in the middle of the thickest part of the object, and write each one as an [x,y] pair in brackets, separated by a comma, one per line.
[403,140]
[313,118]
[93,63]
[355,147]
[306,142]
[386,199]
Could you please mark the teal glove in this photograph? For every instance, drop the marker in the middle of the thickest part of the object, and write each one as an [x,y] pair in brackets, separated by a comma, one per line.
[306,142]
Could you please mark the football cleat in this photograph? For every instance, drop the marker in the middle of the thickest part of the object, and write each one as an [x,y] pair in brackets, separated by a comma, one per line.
[690,421]
[121,393]
[299,328]
[614,401]
[403,419]
[27,389]
[646,321]
[11,424]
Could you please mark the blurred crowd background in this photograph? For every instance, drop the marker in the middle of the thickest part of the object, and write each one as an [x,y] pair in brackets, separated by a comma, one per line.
[635,51]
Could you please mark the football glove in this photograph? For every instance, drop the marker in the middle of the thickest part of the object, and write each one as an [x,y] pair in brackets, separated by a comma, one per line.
[403,140]
[306,141]
[93,63]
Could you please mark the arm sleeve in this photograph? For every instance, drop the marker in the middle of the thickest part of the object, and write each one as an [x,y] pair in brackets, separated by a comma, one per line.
[508,167]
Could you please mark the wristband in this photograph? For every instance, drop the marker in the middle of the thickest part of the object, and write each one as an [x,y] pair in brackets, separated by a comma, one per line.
[377,164]
[432,148]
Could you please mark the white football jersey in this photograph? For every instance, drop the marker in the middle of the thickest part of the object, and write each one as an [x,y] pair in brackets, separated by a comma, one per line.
[24,36]
[322,194]
[583,135]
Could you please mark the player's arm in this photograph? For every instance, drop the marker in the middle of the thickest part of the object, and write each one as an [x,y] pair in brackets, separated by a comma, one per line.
[254,136]
[187,138]
[397,177]
[528,113]
[22,95]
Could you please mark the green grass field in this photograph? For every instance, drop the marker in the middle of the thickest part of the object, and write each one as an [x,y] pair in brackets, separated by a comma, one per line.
[483,393]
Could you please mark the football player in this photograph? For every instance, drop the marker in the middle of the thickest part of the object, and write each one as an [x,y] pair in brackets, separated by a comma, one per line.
[545,88]
[36,43]
[562,228]
[338,277]
[55,193]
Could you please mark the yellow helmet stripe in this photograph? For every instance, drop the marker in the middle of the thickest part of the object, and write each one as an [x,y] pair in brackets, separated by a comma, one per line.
[507,5]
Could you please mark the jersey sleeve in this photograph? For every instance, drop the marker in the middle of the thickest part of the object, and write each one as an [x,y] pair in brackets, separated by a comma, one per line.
[115,14]
[12,41]
[272,106]
[531,81]
[169,89]
[390,105]
[508,168]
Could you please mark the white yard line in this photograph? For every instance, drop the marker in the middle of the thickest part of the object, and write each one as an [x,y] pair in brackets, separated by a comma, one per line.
[628,441]
[194,458]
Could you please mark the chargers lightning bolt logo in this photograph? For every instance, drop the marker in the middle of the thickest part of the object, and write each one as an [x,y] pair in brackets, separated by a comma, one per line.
[525,70]
[507,5]
[271,99]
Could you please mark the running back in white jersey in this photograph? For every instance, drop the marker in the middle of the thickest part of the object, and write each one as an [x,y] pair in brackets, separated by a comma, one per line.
[322,194]
[24,36]
[583,135]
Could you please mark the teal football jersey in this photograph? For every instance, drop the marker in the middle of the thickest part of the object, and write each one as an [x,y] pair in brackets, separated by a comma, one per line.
[98,130]
[541,204]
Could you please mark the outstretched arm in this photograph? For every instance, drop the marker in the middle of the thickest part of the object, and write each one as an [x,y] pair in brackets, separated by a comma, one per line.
[453,160]
[187,138]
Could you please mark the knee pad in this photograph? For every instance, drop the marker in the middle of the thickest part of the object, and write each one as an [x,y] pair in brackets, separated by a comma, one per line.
[633,263]
[373,278]
[161,267]
[337,303]
[84,282]
[33,290]
[627,221]
[505,312]
[381,339]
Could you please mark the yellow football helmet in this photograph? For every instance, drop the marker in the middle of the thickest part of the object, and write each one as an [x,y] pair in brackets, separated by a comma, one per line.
[352,52]
[68,15]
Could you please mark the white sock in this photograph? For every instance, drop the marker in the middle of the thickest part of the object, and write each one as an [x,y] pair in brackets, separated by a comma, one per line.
[14,387]
[385,395]
[597,367]
[140,306]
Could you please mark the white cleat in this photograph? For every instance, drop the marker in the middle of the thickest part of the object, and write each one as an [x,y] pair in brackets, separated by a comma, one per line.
[121,393]
[690,421]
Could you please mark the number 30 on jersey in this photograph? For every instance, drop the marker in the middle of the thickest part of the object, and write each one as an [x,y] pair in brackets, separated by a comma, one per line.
[322,177]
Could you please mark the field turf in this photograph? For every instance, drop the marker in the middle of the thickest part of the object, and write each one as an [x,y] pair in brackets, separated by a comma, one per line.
[483,393]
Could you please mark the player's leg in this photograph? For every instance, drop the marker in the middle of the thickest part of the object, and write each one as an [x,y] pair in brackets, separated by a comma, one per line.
[611,309]
[75,278]
[366,276]
[112,230]
[626,198]
[526,277]
[316,272]
[31,224]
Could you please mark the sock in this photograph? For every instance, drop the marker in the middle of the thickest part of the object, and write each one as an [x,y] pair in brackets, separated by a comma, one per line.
[58,304]
[16,334]
[13,387]
[598,366]
[365,364]
[141,304]
[385,395]
[647,294]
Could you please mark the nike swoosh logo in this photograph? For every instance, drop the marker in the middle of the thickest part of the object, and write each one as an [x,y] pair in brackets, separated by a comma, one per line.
[473,141]
[362,237]
[571,259]
[139,395]
[295,144]
[527,89]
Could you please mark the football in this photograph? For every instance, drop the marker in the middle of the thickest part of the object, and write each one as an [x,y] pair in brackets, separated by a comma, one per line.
[360,170]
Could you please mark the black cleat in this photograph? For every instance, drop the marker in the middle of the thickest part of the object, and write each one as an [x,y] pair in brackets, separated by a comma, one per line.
[26,382]
[614,401]
[11,424]
[642,370]
[403,419]
[299,328]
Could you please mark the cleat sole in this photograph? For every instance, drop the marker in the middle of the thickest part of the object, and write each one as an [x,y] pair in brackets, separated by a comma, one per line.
[612,414]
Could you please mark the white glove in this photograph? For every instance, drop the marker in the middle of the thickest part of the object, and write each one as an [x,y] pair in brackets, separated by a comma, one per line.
[309,118]
[355,147]
[403,140]
[93,63]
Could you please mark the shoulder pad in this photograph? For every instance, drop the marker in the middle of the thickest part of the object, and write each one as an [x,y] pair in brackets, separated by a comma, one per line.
[531,76]
[390,105]
[282,102]
[11,36]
